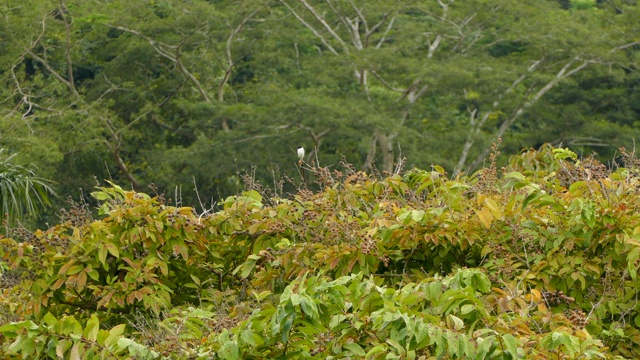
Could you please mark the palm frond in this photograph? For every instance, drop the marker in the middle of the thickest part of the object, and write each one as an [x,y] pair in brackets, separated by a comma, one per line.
[22,192]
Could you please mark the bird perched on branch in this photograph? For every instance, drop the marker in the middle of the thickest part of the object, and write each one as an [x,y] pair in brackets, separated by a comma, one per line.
[300,155]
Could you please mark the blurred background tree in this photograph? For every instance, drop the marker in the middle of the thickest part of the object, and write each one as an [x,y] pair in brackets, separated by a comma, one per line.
[201,92]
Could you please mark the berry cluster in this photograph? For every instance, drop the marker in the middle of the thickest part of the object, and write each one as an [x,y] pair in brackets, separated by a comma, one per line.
[385,259]
[499,251]
[323,177]
[577,317]
[320,343]
[19,233]
[556,297]
[266,258]
[629,160]
[368,246]
[589,169]
[305,195]
[277,227]
[140,254]
[488,177]
[266,254]
[174,218]
[9,280]
[159,196]
[77,215]
[56,242]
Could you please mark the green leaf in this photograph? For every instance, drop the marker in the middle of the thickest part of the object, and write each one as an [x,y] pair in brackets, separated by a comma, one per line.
[421,334]
[286,328]
[355,349]
[10,330]
[399,348]
[74,354]
[577,187]
[510,344]
[74,270]
[434,290]
[113,250]
[262,295]
[91,330]
[114,335]
[93,274]
[102,256]
[485,216]
[69,326]
[417,215]
[571,344]
[458,324]
[100,195]
[309,307]
[230,351]
[62,346]
[247,266]
[380,348]
[480,282]
[534,195]
[102,337]
[562,154]
[453,344]
[49,319]
[249,337]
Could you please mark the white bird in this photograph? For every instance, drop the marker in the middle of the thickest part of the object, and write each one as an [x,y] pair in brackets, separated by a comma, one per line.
[301,153]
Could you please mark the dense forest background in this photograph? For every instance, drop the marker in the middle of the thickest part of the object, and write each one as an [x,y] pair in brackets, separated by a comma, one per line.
[177,93]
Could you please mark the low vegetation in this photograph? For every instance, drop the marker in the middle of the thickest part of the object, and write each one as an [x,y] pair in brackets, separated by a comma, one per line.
[536,260]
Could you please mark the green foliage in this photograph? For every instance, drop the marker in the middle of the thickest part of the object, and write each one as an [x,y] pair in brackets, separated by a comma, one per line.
[140,255]
[67,338]
[536,263]
[167,93]
[22,192]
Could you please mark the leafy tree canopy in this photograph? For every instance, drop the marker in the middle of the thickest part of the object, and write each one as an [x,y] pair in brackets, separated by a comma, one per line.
[172,93]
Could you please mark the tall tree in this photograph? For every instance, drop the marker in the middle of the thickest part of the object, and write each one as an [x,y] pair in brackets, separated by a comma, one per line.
[498,59]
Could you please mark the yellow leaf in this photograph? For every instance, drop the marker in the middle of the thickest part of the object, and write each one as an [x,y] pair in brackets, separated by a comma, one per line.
[503,305]
[75,351]
[66,266]
[486,218]
[493,207]
[499,291]
[537,296]
[82,280]
[57,284]
[372,231]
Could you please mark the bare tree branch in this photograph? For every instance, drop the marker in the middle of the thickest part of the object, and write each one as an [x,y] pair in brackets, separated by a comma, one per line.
[352,26]
[55,74]
[115,151]
[386,32]
[386,84]
[230,63]
[165,50]
[565,72]
[324,23]
[68,46]
[433,46]
[625,46]
[311,28]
